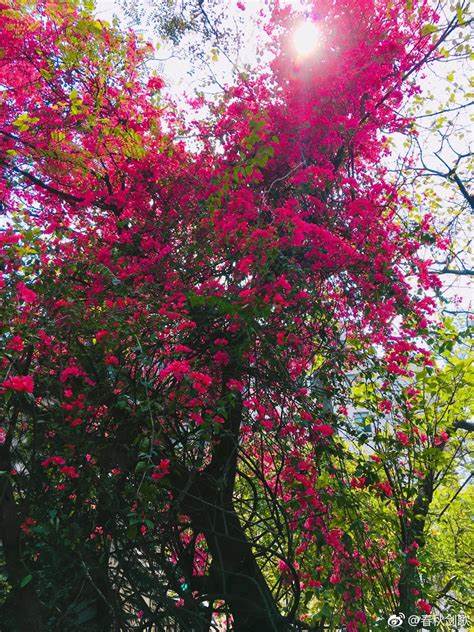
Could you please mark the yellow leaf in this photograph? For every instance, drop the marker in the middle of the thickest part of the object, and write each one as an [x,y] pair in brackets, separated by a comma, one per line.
[24,122]
[428,29]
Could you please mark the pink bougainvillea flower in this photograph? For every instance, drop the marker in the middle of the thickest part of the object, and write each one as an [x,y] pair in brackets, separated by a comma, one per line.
[111,360]
[161,470]
[424,606]
[221,358]
[386,488]
[155,83]
[16,344]
[70,371]
[235,385]
[413,561]
[441,438]
[19,383]
[25,294]
[403,438]
[69,471]
[53,460]
[323,429]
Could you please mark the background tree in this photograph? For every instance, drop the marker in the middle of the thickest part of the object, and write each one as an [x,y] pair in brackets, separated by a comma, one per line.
[419,446]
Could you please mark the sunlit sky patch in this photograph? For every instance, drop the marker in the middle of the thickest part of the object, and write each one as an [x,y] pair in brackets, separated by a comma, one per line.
[306,38]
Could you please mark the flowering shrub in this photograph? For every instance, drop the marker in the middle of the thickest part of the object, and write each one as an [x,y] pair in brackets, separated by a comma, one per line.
[179,320]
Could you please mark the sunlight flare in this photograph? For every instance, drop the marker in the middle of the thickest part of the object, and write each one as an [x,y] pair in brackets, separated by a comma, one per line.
[306,38]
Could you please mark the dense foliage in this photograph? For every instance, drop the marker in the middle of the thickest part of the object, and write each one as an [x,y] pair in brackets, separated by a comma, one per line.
[188,310]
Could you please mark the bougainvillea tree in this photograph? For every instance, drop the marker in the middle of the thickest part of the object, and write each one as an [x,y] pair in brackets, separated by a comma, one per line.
[182,304]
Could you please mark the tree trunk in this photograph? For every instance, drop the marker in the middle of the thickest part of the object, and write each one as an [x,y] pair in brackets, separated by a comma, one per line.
[235,575]
[22,610]
[414,532]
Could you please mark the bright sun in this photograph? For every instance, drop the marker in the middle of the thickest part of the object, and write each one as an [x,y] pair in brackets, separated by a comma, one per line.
[306,38]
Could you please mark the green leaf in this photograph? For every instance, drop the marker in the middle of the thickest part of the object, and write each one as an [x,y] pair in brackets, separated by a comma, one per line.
[326,611]
[86,614]
[428,29]
[132,532]
[24,122]
[460,14]
[25,581]
[140,467]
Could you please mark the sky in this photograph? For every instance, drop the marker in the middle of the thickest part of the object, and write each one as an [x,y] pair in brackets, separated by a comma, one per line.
[175,69]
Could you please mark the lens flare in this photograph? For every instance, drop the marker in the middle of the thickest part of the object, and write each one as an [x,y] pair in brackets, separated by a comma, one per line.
[306,38]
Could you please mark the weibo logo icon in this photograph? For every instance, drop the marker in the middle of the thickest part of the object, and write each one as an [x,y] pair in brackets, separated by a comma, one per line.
[396,620]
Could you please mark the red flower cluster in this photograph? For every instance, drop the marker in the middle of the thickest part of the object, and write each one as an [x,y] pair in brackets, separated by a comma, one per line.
[19,383]
[161,470]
